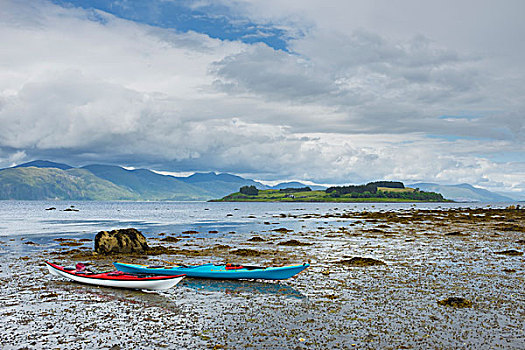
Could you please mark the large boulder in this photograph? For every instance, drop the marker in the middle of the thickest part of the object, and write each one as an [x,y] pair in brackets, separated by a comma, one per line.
[127,240]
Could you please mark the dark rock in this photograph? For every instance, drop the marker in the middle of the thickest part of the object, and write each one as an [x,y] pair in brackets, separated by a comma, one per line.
[246,252]
[120,241]
[52,208]
[511,227]
[213,231]
[455,302]
[282,230]
[373,230]
[454,233]
[359,261]
[256,239]
[49,295]
[171,239]
[190,232]
[511,252]
[293,242]
[64,239]
[71,244]
[70,209]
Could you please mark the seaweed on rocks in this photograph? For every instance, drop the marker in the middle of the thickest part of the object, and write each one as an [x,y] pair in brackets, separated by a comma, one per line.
[360,261]
[170,239]
[294,243]
[246,252]
[511,252]
[454,233]
[282,230]
[71,244]
[455,302]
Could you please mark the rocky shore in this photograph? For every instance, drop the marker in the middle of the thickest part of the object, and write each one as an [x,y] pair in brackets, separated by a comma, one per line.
[444,278]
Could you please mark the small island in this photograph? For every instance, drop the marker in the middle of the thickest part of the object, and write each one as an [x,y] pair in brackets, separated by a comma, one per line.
[378,191]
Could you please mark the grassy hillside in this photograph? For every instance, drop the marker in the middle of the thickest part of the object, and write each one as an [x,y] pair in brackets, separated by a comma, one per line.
[31,183]
[148,185]
[43,164]
[315,196]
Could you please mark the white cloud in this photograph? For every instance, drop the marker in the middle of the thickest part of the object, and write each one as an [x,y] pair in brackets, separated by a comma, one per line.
[347,104]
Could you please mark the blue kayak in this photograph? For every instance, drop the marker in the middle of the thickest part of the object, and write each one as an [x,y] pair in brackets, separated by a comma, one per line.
[228,271]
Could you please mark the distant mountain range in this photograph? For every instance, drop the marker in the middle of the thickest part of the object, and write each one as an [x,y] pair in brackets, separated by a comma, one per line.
[463,192]
[41,179]
[295,184]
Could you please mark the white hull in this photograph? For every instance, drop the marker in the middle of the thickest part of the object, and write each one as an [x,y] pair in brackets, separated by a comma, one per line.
[143,284]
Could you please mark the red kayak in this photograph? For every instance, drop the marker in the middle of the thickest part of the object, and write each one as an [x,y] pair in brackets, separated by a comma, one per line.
[116,279]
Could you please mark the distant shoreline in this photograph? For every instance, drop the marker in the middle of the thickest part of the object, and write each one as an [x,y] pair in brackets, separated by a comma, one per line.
[335,200]
[373,194]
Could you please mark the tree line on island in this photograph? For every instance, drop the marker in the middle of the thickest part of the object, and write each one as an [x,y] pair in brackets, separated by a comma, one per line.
[377,189]
[253,191]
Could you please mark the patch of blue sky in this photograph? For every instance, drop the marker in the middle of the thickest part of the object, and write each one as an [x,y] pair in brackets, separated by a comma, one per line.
[215,20]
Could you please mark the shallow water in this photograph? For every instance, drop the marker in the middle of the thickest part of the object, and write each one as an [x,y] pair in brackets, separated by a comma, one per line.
[327,306]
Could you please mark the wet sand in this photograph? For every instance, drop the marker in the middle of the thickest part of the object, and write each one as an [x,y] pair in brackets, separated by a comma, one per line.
[339,302]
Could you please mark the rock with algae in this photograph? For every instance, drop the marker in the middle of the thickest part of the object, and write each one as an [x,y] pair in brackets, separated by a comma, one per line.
[455,302]
[128,240]
[246,252]
[511,252]
[170,239]
[294,243]
[359,261]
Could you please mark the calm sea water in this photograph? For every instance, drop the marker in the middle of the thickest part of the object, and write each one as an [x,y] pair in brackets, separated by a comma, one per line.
[21,221]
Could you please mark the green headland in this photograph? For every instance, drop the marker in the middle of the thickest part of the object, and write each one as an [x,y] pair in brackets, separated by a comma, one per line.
[379,191]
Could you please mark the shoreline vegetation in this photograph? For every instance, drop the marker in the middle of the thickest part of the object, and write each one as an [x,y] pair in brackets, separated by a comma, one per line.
[379,191]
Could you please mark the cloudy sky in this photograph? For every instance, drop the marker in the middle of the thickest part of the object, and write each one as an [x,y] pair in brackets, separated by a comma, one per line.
[332,92]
